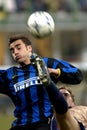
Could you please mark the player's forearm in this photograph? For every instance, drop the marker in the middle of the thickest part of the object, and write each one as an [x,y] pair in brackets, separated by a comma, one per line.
[65,75]
[71,76]
[57,99]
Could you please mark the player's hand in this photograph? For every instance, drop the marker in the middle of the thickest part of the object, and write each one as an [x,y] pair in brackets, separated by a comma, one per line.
[54,72]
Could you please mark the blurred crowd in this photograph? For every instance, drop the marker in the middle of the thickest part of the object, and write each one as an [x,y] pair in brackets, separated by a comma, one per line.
[12,6]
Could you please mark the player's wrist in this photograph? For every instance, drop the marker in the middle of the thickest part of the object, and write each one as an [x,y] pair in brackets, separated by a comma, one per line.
[58,73]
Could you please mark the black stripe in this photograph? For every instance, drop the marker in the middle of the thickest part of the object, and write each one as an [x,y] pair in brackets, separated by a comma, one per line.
[50,62]
[27,96]
[41,102]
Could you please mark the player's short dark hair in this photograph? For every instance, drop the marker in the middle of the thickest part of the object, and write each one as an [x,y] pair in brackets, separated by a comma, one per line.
[25,39]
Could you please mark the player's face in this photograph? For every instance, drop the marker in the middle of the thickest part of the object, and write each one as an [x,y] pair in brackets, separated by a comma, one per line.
[67,97]
[20,52]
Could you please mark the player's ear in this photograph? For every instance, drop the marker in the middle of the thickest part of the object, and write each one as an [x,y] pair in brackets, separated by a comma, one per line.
[30,48]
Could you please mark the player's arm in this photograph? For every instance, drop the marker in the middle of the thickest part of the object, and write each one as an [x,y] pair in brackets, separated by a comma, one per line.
[69,73]
[64,118]
[64,71]
[67,121]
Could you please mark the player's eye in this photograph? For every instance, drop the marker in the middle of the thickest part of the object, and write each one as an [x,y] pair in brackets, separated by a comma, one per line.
[18,47]
[12,50]
[66,94]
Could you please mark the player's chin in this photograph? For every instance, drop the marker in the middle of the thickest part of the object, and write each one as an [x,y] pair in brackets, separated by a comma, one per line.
[19,60]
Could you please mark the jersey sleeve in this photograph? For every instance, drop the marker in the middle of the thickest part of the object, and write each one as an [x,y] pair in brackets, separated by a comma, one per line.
[69,73]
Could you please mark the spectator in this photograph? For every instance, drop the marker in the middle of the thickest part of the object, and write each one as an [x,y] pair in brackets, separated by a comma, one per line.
[39,5]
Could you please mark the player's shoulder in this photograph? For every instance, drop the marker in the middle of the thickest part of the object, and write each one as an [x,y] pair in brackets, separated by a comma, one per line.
[9,69]
[79,108]
[49,59]
[82,107]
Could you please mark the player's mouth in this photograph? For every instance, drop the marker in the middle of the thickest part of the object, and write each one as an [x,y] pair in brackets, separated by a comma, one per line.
[18,58]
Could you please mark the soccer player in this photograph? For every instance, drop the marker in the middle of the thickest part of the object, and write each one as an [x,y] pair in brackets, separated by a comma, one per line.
[68,115]
[24,84]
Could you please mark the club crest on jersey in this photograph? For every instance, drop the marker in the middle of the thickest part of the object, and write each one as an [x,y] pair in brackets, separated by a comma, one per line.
[27,83]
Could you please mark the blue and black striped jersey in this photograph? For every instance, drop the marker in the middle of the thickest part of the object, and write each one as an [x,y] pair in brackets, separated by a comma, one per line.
[53,124]
[23,86]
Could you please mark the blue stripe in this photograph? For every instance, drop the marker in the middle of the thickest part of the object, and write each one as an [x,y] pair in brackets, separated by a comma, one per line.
[47,104]
[34,97]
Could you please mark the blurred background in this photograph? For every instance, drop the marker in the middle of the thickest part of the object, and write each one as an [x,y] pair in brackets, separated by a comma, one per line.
[68,42]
